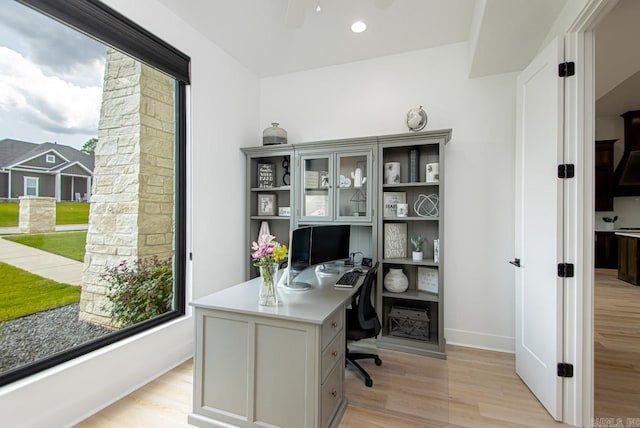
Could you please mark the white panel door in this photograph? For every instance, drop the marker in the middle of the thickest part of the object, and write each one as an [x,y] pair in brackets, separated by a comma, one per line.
[539,227]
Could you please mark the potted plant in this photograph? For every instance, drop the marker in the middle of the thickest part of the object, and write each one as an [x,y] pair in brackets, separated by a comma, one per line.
[609,222]
[417,242]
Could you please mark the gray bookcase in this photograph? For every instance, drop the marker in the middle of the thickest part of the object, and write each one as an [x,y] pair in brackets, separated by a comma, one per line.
[321,190]
[279,193]
[413,320]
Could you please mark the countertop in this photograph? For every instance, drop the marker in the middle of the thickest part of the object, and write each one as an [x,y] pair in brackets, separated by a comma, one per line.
[628,233]
[314,305]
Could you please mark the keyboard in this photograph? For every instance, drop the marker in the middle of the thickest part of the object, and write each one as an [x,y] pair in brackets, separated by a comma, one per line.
[348,279]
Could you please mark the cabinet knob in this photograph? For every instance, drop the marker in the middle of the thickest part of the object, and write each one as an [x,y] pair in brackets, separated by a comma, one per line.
[334,393]
[334,324]
[334,353]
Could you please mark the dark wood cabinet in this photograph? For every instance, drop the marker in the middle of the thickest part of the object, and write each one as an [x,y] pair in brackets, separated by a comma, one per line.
[606,250]
[604,175]
[628,259]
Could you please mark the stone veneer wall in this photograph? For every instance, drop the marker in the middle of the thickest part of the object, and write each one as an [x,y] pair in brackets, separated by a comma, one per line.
[132,202]
[37,214]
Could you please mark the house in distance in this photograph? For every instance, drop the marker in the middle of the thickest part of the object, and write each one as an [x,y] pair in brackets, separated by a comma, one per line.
[47,169]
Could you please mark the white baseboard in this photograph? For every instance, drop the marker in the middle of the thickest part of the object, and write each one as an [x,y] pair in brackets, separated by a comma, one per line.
[473,339]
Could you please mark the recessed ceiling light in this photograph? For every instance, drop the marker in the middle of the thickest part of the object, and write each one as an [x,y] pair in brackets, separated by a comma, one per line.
[358,27]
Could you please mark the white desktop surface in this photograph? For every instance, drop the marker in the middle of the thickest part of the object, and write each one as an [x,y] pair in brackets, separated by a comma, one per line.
[313,305]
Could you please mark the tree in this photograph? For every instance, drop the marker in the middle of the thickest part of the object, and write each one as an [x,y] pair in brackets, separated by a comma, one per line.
[89,146]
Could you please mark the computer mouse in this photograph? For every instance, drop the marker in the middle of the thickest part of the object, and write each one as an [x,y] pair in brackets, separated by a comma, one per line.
[356,270]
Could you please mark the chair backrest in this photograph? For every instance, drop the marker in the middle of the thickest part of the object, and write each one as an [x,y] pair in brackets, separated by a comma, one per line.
[367,317]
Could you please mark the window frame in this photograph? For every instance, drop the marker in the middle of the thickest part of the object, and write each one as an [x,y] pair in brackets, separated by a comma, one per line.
[26,186]
[49,158]
[98,21]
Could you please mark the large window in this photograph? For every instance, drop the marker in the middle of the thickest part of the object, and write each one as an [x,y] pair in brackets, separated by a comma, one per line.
[111,97]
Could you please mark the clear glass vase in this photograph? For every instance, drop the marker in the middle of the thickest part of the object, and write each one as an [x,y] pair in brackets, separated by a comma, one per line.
[268,295]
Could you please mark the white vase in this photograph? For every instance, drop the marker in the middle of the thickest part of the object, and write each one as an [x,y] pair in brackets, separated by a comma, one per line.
[392,173]
[396,281]
[417,256]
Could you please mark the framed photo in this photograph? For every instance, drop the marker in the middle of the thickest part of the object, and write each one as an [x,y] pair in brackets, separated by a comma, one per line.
[311,179]
[324,179]
[428,279]
[266,174]
[266,204]
[395,240]
[316,205]
[284,211]
[391,201]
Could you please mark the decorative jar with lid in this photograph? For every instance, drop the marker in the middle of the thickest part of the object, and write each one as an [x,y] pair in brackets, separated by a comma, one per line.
[274,135]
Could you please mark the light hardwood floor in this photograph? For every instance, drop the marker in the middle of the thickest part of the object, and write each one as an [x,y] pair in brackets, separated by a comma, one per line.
[616,347]
[472,388]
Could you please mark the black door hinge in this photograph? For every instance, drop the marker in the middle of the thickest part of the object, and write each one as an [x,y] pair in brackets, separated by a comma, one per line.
[566,69]
[565,370]
[566,170]
[565,270]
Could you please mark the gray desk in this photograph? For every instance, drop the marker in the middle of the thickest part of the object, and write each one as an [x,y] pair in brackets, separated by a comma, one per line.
[271,366]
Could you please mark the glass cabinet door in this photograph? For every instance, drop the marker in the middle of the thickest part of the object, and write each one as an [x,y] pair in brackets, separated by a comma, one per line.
[317,188]
[353,184]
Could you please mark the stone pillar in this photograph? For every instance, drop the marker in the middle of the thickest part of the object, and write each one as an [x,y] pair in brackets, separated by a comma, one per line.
[131,214]
[37,214]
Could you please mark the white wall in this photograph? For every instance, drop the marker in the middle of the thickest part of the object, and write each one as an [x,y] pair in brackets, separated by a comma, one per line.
[371,98]
[224,117]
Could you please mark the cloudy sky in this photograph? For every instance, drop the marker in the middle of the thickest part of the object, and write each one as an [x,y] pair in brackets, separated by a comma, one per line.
[50,79]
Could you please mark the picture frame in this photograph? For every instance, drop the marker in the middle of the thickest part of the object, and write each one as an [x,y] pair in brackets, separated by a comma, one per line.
[428,279]
[266,175]
[395,240]
[390,203]
[284,211]
[311,179]
[316,205]
[324,179]
[266,204]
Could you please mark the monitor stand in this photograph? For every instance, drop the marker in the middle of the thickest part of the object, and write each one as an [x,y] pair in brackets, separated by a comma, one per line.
[298,285]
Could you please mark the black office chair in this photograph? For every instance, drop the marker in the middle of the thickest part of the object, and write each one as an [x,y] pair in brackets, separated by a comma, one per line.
[362,323]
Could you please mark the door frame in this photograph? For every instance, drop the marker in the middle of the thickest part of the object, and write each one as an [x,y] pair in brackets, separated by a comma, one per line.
[579,211]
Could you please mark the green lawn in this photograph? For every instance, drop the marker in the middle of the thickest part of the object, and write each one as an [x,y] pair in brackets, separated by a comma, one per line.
[65,244]
[66,213]
[23,293]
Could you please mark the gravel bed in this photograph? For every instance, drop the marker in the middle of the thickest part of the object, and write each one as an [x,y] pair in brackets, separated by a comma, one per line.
[33,337]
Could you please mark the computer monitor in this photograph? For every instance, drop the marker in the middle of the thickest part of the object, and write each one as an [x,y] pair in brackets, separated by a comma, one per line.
[329,243]
[299,255]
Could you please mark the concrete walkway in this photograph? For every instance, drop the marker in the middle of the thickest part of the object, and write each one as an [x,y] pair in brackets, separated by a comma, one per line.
[47,265]
[61,228]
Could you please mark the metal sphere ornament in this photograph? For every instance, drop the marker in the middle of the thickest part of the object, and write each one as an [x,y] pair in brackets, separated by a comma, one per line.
[416,119]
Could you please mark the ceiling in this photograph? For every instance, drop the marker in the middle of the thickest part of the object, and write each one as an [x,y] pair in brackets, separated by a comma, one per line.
[274,37]
[617,60]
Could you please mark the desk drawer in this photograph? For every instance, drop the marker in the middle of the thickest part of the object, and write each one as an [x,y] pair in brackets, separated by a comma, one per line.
[331,395]
[332,353]
[332,326]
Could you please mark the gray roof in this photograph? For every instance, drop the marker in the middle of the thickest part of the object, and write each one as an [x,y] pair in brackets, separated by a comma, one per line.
[15,151]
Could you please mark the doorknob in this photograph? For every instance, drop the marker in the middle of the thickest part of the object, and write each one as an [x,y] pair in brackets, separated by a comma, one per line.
[515,262]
